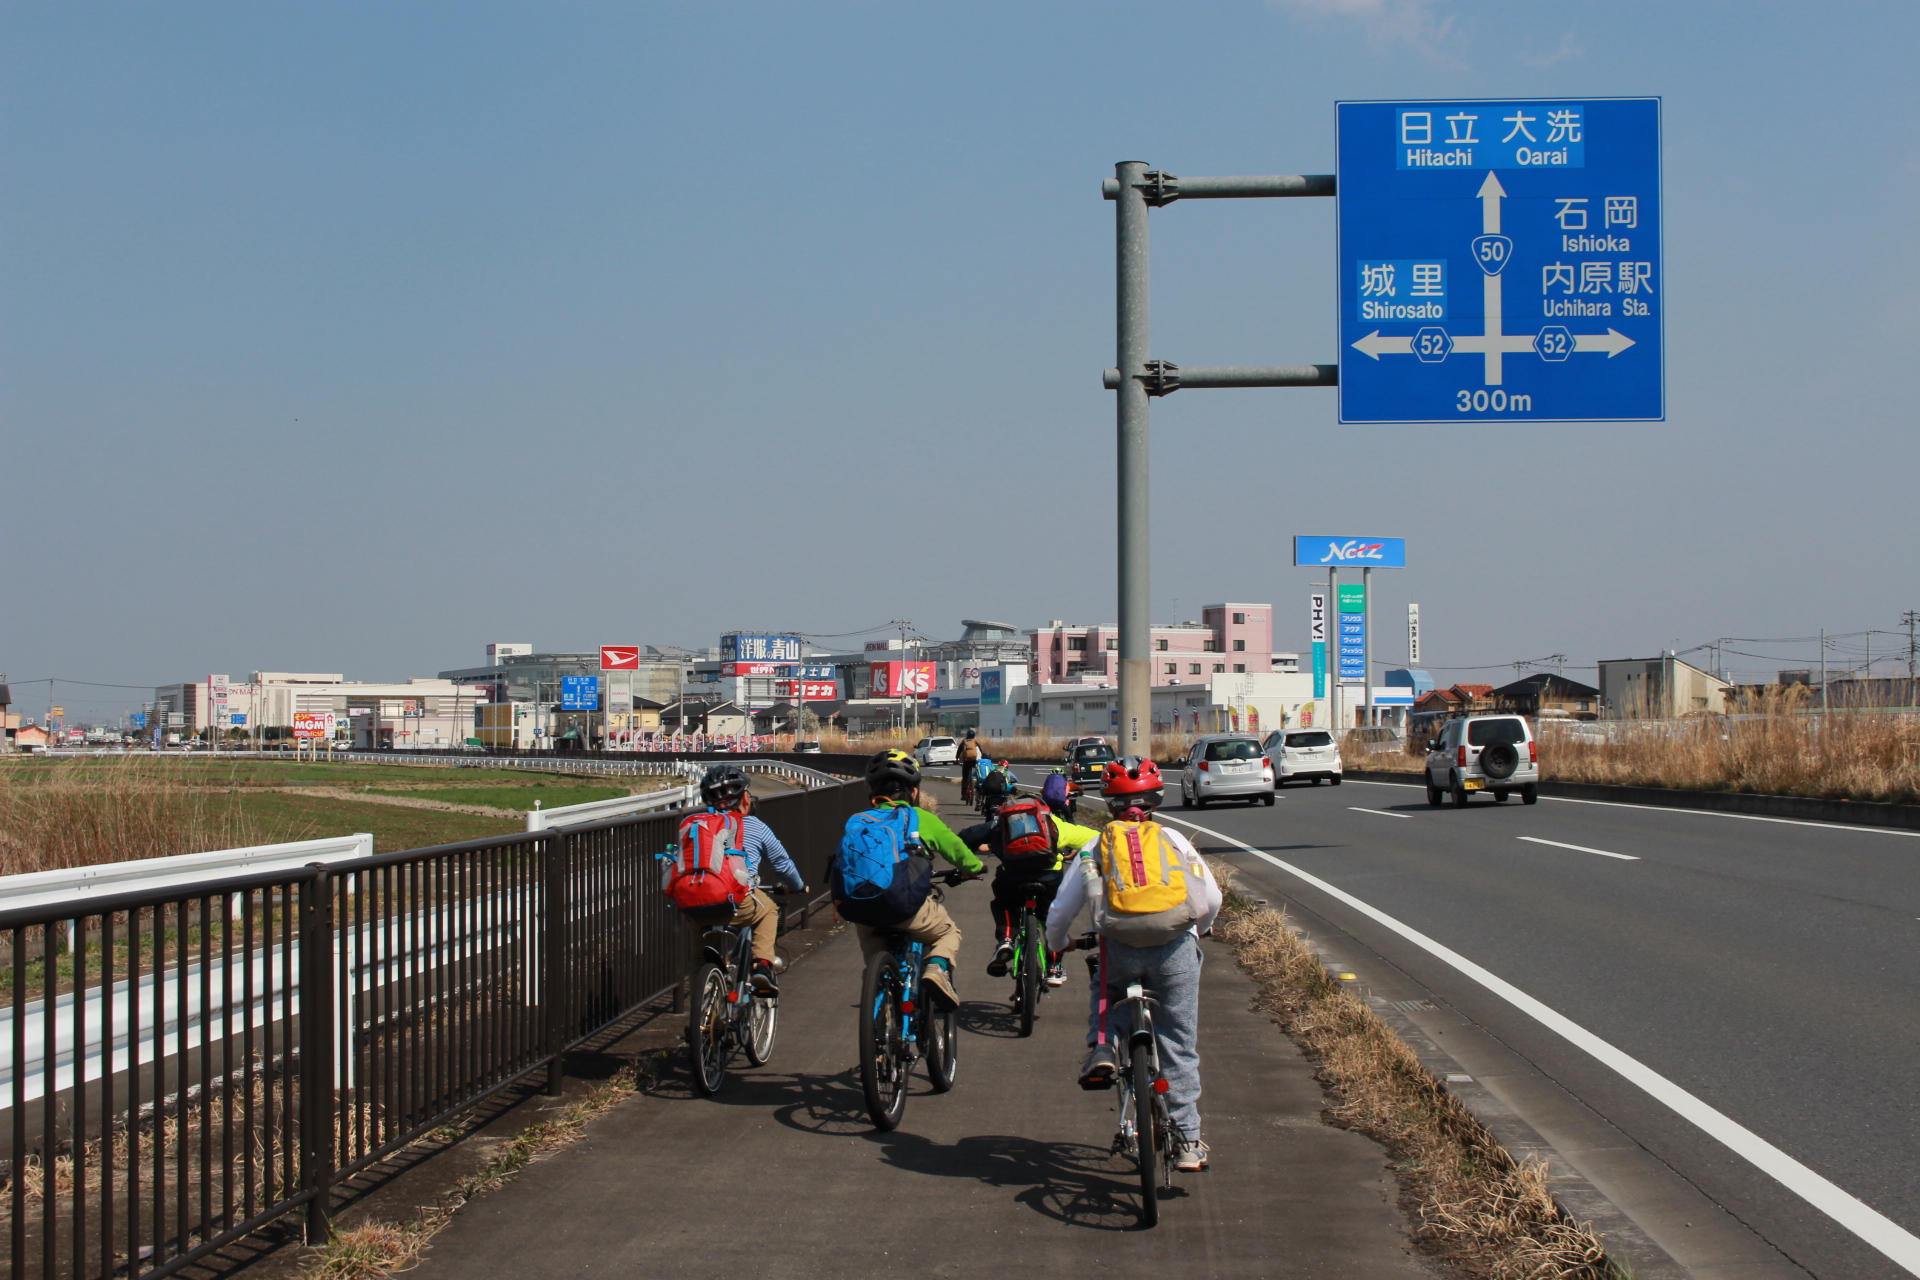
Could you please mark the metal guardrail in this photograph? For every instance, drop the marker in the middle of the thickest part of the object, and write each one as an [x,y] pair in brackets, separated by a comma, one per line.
[619,806]
[71,887]
[190,1074]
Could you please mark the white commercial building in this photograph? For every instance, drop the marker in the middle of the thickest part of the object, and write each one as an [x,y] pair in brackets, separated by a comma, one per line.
[1007,705]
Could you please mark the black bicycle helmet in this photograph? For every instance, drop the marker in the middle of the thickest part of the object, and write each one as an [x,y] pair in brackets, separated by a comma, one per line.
[892,773]
[723,786]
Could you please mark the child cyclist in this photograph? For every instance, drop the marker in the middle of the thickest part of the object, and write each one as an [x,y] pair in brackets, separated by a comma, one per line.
[749,842]
[1032,846]
[1152,897]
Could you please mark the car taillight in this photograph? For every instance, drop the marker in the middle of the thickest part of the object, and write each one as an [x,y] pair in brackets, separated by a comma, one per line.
[1203,766]
[1463,755]
[1533,752]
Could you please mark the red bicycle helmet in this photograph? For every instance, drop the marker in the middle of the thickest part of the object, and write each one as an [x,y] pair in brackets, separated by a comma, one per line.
[1133,783]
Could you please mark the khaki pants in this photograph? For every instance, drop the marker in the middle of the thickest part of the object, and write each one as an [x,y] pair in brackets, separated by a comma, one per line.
[757,913]
[931,926]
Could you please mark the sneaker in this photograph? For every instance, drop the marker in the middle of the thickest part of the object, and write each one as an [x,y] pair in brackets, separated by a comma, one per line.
[763,983]
[1056,975]
[997,967]
[1192,1158]
[1099,1068]
[937,980]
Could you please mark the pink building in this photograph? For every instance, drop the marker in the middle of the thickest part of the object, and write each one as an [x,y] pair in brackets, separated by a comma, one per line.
[1234,639]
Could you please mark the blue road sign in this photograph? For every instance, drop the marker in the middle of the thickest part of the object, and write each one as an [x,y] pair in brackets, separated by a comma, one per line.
[1500,261]
[138,719]
[1314,550]
[579,693]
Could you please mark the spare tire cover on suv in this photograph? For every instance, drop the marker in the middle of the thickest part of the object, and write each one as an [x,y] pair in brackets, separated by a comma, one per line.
[1499,760]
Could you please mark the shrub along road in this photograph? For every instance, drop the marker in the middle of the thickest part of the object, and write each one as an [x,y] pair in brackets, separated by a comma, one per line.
[1761,972]
[781,1175]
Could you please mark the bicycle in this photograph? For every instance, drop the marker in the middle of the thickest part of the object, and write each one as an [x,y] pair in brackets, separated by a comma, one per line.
[724,1017]
[896,1019]
[1028,968]
[1141,1097]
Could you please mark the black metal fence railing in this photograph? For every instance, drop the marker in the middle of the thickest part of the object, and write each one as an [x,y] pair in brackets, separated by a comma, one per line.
[204,1061]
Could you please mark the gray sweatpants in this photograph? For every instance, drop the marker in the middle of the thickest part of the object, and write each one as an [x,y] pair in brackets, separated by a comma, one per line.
[1171,974]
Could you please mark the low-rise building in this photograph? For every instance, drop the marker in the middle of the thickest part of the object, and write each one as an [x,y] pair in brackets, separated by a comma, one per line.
[1546,694]
[1230,639]
[1660,688]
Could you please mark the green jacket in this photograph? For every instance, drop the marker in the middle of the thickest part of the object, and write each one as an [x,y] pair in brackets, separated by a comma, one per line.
[937,836]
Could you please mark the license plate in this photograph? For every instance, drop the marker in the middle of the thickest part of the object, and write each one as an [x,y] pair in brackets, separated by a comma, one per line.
[1475,784]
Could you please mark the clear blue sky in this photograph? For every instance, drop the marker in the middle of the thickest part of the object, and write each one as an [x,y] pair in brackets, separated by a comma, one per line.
[353,336]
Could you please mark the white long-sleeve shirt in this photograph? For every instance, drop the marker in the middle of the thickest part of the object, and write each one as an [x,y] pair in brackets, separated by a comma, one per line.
[1071,900]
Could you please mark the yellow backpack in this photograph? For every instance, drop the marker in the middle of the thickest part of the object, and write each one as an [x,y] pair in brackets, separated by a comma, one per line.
[1142,897]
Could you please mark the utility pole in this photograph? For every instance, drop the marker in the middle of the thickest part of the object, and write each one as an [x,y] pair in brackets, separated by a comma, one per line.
[1910,617]
[1823,669]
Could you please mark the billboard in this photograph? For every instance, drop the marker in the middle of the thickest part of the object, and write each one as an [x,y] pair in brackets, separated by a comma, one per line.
[754,669]
[619,657]
[1352,633]
[1322,550]
[1317,624]
[806,690]
[579,693]
[991,687]
[745,646]
[313,724]
[902,679]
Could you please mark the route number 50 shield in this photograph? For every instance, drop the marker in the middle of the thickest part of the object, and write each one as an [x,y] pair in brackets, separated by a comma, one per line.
[1492,253]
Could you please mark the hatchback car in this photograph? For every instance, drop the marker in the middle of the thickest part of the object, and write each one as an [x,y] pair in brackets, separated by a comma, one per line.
[1087,760]
[1303,755]
[1226,766]
[1484,753]
[936,751]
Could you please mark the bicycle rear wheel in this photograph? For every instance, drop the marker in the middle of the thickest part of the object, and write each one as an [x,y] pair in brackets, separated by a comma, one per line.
[883,1068]
[1147,1134]
[1031,971]
[709,1028]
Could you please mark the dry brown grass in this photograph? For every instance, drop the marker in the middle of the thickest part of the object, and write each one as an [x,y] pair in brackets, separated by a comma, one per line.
[1769,745]
[374,1250]
[77,813]
[1478,1207]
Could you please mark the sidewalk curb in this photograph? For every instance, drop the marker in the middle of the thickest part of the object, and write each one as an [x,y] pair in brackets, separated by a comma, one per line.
[1860,813]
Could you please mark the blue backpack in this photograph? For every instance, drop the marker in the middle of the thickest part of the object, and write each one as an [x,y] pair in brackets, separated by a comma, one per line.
[881,875]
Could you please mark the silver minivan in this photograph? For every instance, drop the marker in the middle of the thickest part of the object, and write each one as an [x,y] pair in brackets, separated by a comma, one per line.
[1483,753]
[1226,766]
[1303,755]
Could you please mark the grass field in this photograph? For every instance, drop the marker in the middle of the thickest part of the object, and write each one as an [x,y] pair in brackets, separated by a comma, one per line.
[68,812]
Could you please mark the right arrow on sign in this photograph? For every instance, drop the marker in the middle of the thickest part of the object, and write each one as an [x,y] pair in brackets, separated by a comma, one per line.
[1612,342]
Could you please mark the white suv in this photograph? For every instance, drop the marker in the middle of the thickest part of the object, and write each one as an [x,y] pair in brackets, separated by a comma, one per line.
[1302,755]
[936,751]
[1483,753]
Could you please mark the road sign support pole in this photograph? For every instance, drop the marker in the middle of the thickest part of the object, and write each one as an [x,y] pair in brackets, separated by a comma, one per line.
[1333,648]
[1133,421]
[1136,378]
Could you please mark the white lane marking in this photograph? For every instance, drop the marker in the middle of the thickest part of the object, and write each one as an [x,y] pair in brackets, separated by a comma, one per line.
[1704,813]
[1624,857]
[1382,812]
[1889,1237]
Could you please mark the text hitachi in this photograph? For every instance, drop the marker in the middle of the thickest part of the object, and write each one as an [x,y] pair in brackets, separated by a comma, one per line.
[1426,157]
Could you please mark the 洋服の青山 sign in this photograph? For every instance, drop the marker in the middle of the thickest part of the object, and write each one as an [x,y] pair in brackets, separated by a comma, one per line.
[902,679]
[1324,550]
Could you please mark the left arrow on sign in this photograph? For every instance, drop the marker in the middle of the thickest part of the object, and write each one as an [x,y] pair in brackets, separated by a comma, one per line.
[1376,346]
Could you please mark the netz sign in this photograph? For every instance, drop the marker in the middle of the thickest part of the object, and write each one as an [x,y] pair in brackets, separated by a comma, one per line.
[1318,550]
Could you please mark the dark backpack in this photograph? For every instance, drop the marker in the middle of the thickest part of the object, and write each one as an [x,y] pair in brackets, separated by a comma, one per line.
[881,874]
[1028,838]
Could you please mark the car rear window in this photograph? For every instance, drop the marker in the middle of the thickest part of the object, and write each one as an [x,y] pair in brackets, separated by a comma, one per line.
[1309,739]
[1234,749]
[1098,751]
[1484,733]
[942,742]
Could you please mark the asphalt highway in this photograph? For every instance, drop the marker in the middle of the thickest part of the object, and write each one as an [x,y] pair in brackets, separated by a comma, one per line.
[1743,995]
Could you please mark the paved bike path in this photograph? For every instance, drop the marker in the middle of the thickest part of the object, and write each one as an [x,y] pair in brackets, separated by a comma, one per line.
[781,1175]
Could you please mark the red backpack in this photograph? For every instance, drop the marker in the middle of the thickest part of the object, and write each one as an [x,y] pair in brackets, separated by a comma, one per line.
[1028,838]
[711,869]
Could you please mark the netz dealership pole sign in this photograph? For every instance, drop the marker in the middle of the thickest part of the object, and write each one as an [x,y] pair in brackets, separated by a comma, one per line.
[1324,551]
